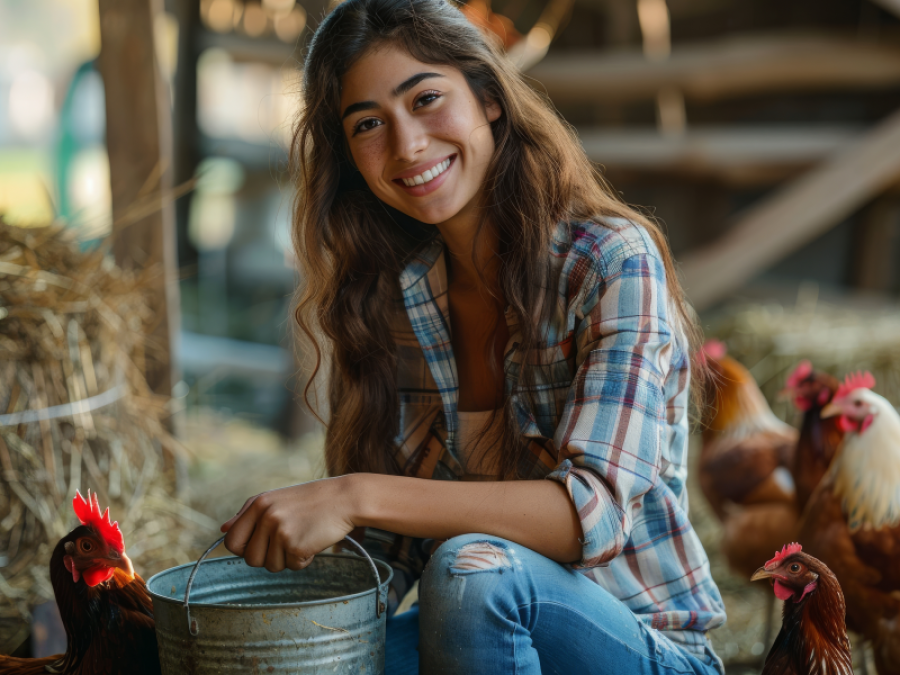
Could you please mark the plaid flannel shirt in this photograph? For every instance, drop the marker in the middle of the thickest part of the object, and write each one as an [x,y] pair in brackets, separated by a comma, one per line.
[608,420]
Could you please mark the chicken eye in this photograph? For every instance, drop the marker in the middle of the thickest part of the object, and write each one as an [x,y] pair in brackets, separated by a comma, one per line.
[795,568]
[86,545]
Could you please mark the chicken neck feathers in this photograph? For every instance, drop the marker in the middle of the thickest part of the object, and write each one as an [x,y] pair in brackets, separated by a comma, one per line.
[865,474]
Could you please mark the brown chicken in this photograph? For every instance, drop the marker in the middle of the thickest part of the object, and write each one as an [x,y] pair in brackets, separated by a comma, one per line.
[104,605]
[811,391]
[744,463]
[813,638]
[852,522]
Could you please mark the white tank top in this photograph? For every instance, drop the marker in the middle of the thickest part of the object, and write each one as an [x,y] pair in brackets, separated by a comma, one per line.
[476,445]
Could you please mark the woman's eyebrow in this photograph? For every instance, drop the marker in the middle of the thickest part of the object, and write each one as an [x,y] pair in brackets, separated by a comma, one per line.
[401,89]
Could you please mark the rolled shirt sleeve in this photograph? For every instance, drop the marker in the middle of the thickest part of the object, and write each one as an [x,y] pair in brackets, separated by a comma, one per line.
[613,425]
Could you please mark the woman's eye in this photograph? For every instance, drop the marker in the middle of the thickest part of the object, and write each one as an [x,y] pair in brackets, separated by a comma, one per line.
[366,125]
[427,98]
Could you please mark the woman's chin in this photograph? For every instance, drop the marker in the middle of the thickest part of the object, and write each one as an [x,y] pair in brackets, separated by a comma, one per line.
[431,216]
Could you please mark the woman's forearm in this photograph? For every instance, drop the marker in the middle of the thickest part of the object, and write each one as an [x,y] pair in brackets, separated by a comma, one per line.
[537,514]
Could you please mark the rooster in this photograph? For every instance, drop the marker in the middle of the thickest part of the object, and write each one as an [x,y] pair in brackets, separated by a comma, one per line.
[811,391]
[852,522]
[813,637]
[104,605]
[744,462]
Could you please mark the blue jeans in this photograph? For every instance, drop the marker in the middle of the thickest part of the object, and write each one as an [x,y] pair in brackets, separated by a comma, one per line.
[487,605]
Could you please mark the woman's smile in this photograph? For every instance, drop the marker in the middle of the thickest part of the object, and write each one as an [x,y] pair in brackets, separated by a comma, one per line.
[419,182]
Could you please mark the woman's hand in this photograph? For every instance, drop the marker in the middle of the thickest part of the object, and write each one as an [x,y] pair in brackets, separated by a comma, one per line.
[285,528]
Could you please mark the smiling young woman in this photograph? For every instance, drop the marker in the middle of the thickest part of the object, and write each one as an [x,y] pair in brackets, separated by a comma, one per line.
[490,316]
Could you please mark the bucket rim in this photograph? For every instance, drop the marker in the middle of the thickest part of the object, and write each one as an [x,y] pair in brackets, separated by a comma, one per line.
[281,605]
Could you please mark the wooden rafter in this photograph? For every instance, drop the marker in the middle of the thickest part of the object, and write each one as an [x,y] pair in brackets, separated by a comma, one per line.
[736,66]
[731,155]
[795,215]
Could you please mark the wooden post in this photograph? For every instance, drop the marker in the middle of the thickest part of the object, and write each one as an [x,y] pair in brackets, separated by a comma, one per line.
[876,245]
[139,140]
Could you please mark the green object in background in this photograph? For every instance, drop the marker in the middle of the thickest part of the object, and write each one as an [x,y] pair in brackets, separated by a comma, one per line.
[67,147]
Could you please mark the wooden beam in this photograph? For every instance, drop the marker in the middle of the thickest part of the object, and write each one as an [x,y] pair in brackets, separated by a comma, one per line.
[139,143]
[795,215]
[729,67]
[892,6]
[731,155]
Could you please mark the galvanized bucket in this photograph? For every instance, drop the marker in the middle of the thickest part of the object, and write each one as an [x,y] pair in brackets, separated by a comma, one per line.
[327,618]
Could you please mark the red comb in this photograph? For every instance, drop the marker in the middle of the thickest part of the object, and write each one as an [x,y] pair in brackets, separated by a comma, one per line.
[88,512]
[714,349]
[854,381]
[801,372]
[788,549]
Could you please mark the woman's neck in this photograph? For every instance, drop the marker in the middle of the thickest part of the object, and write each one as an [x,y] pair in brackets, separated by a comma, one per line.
[468,272]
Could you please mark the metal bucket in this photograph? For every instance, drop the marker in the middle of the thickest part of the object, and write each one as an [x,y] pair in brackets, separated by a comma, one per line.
[327,618]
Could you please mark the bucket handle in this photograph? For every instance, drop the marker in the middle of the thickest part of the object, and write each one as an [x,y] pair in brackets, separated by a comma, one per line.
[194,627]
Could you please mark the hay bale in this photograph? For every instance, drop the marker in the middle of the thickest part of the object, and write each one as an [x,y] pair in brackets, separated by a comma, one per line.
[73,330]
[772,338]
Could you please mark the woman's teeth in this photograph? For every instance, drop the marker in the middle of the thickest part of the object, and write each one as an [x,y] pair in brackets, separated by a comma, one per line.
[427,176]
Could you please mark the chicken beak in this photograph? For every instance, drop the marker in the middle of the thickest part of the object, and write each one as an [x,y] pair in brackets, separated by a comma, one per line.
[830,410]
[123,562]
[761,573]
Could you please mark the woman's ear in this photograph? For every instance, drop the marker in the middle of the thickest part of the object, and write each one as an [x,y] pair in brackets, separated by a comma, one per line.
[493,110]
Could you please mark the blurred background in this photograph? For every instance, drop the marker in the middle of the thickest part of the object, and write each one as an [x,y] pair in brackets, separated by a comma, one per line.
[764,135]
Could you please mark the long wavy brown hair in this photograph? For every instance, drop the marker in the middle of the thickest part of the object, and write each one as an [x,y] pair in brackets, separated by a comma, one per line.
[352,247]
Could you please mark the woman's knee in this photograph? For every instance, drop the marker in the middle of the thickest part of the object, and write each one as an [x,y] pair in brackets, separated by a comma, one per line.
[470,553]
[459,562]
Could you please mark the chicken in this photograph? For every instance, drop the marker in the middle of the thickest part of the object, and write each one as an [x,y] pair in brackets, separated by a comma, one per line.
[813,637]
[811,391]
[744,460]
[852,522]
[104,605]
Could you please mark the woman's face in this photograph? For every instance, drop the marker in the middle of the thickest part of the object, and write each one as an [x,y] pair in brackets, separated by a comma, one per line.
[417,133]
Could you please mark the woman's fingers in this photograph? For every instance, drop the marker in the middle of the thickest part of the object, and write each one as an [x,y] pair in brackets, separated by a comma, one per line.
[257,549]
[242,529]
[275,555]
[227,525]
[296,562]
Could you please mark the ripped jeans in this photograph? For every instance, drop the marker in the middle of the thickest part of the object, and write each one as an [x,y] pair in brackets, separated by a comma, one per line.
[487,605]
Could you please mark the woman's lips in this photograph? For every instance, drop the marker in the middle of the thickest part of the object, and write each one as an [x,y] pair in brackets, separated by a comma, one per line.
[430,186]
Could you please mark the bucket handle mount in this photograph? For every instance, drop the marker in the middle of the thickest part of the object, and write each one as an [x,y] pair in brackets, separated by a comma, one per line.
[194,627]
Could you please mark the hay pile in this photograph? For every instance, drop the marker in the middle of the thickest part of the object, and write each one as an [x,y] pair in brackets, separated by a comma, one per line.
[73,329]
[838,337]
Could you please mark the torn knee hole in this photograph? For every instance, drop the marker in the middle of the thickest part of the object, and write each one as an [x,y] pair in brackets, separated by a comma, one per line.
[481,556]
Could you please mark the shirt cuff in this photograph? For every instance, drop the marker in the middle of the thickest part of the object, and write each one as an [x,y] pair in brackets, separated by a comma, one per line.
[602,519]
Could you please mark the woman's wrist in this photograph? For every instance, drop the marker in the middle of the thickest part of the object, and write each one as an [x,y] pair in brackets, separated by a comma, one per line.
[355,489]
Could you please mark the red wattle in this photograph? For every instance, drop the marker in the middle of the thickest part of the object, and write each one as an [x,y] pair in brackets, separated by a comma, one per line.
[866,423]
[847,425]
[802,404]
[782,592]
[98,574]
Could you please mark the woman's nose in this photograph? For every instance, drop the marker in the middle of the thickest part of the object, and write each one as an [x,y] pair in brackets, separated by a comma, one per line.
[408,139]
